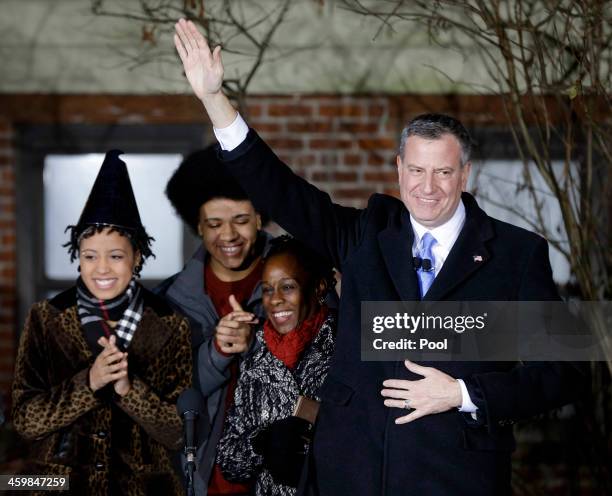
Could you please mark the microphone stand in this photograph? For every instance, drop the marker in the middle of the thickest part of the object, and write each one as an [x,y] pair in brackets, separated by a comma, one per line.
[189,405]
[190,452]
[189,470]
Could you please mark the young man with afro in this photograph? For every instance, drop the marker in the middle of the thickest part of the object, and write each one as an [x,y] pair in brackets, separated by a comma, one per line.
[229,262]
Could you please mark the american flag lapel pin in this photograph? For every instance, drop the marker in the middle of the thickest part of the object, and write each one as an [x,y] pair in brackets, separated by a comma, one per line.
[477,258]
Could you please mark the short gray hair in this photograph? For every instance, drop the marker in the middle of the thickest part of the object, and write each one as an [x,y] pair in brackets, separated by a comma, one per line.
[434,126]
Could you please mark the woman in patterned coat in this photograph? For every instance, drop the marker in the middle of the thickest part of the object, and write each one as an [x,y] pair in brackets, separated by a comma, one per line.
[101,365]
[262,440]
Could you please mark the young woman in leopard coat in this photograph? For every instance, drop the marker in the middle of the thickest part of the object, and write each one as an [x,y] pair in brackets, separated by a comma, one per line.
[262,441]
[100,366]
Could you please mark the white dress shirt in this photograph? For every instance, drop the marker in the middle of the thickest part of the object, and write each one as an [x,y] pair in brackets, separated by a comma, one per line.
[231,136]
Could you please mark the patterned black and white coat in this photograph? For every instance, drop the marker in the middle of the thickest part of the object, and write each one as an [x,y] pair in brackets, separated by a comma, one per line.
[267,391]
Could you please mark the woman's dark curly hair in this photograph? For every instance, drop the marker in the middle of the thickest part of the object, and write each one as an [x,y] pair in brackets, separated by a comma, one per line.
[316,266]
[139,239]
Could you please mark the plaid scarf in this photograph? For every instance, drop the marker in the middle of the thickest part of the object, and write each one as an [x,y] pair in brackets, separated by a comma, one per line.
[94,313]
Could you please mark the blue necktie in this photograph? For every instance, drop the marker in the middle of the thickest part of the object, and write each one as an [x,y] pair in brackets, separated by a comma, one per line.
[426,271]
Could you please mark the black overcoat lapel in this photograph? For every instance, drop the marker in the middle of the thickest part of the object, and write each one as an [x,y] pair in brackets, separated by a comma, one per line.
[468,254]
[396,247]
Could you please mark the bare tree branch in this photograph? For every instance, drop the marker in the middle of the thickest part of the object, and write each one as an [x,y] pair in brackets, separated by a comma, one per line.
[225,23]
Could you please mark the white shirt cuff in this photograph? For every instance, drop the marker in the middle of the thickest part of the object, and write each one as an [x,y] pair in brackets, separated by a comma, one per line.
[467,406]
[231,136]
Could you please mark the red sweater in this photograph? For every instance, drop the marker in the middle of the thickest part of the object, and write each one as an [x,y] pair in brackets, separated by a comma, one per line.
[219,292]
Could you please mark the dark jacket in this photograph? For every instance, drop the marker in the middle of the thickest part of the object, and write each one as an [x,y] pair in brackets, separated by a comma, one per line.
[358,449]
[105,443]
[267,391]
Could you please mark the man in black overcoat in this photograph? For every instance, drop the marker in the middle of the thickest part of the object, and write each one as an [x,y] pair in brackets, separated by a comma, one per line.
[401,428]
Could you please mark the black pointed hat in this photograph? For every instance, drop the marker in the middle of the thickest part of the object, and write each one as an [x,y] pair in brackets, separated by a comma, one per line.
[112,203]
[111,200]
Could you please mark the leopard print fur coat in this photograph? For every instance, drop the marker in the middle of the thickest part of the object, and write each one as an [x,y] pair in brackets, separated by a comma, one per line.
[106,444]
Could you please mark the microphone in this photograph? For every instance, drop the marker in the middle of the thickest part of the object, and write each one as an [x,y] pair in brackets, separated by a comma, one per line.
[190,405]
[422,263]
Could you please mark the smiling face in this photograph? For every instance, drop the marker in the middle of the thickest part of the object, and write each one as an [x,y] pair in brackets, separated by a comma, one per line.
[287,295]
[431,178]
[107,262]
[229,231]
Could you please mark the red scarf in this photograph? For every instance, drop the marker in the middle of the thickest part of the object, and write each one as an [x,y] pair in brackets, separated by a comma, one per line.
[288,348]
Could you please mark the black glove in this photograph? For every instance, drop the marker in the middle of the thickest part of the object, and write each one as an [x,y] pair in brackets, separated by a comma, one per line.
[283,446]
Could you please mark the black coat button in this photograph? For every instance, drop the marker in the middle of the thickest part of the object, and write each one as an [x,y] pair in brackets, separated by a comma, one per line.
[99,466]
[102,434]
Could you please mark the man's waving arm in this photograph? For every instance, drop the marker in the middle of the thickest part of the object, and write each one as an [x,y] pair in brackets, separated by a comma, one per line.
[299,207]
[204,71]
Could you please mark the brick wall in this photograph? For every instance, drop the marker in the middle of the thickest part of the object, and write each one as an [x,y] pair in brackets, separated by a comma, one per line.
[345,146]
[8,288]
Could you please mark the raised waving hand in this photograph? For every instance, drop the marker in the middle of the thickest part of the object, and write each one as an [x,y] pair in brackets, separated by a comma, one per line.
[204,71]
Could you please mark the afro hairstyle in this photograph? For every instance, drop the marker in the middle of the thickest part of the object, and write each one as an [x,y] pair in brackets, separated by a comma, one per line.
[201,177]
